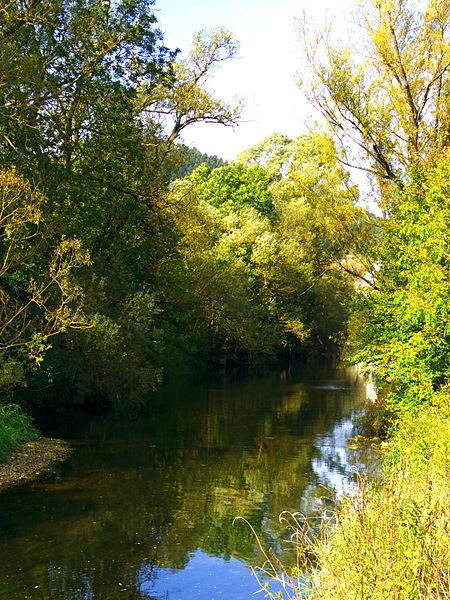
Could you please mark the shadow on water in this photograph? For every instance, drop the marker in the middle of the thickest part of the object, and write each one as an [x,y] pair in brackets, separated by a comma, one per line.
[145,507]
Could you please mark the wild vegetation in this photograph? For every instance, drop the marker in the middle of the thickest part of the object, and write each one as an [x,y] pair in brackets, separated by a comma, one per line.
[15,429]
[125,255]
[391,540]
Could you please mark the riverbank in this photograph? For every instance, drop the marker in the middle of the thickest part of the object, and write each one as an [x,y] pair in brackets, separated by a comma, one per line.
[392,538]
[33,460]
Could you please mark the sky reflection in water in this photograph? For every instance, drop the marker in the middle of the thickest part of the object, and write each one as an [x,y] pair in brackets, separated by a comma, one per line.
[145,507]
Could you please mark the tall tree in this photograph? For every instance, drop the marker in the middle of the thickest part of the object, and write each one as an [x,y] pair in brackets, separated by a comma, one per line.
[403,327]
[65,65]
[390,99]
[73,76]
[182,99]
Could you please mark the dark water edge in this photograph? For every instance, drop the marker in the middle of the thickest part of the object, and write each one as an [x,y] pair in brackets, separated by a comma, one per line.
[145,506]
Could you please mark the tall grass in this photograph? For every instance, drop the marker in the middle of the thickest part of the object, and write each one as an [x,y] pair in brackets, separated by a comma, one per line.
[391,540]
[15,429]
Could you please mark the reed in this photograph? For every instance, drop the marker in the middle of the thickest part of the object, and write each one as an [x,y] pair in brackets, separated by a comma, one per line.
[391,540]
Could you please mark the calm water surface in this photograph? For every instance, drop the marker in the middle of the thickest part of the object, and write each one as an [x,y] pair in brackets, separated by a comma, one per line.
[145,507]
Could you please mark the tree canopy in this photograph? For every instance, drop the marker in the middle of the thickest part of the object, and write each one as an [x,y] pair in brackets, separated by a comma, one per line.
[391,101]
[123,252]
[390,97]
[86,162]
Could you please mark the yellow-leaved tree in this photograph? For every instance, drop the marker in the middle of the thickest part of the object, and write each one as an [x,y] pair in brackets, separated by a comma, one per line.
[388,100]
[37,293]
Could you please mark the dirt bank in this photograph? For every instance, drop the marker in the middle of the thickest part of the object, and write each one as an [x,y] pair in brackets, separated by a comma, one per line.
[33,461]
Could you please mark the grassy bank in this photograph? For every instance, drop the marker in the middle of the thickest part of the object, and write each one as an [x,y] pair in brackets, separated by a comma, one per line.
[392,540]
[16,428]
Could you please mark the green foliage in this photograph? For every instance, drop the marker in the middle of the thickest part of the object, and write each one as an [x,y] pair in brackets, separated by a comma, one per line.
[65,68]
[190,159]
[15,429]
[69,76]
[87,90]
[392,103]
[38,297]
[274,154]
[117,359]
[236,261]
[405,336]
[265,273]
[219,294]
[235,187]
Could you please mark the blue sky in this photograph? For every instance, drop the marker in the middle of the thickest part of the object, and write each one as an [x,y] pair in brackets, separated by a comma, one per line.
[265,72]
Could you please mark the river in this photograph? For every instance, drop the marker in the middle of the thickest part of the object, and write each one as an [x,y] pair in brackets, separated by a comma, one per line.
[144,509]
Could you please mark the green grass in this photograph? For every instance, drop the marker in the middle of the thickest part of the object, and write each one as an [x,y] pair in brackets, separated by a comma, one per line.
[391,541]
[15,429]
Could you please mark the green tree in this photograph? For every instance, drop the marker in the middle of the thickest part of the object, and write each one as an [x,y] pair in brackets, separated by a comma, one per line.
[274,154]
[270,250]
[235,187]
[82,85]
[66,71]
[190,158]
[403,326]
[38,295]
[302,264]
[227,319]
[393,104]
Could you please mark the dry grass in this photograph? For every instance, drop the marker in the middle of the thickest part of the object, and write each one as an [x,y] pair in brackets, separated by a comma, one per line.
[391,541]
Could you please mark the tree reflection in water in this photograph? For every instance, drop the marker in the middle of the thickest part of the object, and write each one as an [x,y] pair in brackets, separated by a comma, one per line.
[145,508]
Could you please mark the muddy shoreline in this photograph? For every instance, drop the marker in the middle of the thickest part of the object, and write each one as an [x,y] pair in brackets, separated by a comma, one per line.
[32,461]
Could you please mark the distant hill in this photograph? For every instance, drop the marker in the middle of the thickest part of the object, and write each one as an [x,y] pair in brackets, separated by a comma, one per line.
[190,158]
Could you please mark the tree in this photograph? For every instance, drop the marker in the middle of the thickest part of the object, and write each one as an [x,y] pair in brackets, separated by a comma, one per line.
[225,317]
[309,181]
[403,330]
[82,86]
[266,255]
[190,158]
[274,154]
[38,295]
[181,98]
[235,187]
[394,105]
[64,65]
[391,100]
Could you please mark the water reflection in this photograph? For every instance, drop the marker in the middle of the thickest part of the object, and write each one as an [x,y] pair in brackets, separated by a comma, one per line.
[145,507]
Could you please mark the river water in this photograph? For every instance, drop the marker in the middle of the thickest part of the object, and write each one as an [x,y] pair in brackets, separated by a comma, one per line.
[145,507]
